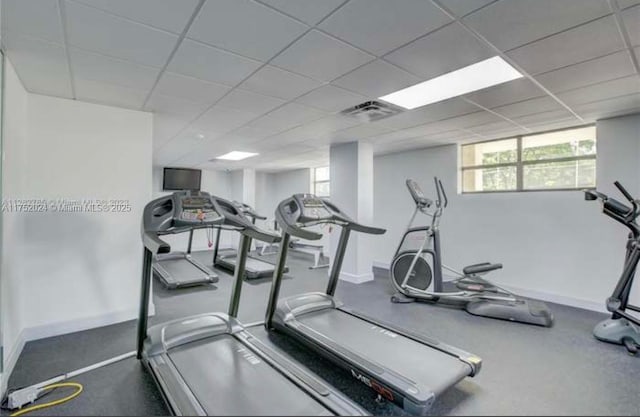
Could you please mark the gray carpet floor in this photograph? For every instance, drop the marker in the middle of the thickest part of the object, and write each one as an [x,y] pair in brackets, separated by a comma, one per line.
[526,370]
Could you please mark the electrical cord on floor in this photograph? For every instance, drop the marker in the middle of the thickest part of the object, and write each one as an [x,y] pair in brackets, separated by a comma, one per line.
[48,388]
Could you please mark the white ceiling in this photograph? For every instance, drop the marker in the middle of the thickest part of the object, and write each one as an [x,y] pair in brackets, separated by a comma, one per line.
[270,76]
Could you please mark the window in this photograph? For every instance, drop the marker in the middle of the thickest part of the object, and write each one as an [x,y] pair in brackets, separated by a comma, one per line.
[560,160]
[321,184]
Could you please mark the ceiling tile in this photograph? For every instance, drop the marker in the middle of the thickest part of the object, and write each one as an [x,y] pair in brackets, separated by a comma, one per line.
[378,26]
[453,46]
[272,81]
[110,94]
[376,79]
[463,7]
[36,18]
[211,64]
[509,24]
[602,91]
[166,126]
[533,106]
[590,72]
[470,120]
[319,56]
[245,27]
[249,134]
[627,3]
[326,125]
[534,121]
[92,29]
[168,15]
[430,113]
[309,11]
[557,124]
[162,103]
[30,56]
[359,132]
[592,40]
[291,136]
[251,102]
[175,149]
[499,128]
[219,120]
[506,93]
[427,129]
[90,66]
[190,88]
[608,108]
[631,19]
[193,159]
[331,98]
[286,117]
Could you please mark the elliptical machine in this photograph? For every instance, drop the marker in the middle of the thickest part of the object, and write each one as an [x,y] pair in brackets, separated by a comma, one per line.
[622,328]
[416,272]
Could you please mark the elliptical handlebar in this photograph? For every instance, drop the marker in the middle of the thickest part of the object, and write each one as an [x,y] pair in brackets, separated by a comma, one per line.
[616,209]
[624,191]
[441,188]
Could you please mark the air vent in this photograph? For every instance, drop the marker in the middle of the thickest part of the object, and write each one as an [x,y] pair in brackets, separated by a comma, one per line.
[371,111]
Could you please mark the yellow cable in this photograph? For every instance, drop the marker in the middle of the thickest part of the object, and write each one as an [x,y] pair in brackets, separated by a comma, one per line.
[52,403]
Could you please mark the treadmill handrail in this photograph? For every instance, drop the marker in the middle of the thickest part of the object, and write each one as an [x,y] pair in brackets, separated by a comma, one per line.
[247,210]
[235,218]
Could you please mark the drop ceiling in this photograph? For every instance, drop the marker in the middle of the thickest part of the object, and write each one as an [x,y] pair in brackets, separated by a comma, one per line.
[271,76]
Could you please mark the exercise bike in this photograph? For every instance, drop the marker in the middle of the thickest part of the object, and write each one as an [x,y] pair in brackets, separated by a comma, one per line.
[417,271]
[621,328]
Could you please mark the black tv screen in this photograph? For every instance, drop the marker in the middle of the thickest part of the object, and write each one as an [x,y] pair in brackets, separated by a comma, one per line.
[181,179]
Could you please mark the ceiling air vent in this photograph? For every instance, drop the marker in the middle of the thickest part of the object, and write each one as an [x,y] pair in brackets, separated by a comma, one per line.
[371,111]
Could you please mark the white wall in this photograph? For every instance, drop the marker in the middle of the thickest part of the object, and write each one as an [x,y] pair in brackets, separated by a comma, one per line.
[13,161]
[553,245]
[72,270]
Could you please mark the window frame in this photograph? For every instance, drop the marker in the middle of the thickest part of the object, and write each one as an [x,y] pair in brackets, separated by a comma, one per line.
[519,164]
[314,182]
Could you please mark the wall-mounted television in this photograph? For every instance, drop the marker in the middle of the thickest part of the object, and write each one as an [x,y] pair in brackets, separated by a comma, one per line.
[175,179]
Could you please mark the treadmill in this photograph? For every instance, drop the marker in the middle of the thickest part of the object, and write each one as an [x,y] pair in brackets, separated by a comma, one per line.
[179,269]
[404,367]
[227,258]
[208,364]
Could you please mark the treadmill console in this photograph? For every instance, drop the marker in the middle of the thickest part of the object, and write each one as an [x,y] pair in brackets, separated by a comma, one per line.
[194,209]
[301,211]
[313,208]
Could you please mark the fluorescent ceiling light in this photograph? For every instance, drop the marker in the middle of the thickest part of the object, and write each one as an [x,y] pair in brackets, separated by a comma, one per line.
[483,74]
[237,155]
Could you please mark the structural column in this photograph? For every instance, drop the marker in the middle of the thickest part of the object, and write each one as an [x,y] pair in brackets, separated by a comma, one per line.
[249,186]
[352,190]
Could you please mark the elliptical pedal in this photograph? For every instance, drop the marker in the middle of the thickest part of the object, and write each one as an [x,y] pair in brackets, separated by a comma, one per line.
[399,298]
[631,345]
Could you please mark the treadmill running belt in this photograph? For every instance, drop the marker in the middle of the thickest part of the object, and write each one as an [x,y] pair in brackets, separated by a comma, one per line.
[419,363]
[229,379]
[182,270]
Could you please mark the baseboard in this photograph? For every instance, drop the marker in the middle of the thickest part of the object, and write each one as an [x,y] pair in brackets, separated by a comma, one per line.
[382,265]
[559,299]
[60,328]
[12,359]
[538,295]
[356,278]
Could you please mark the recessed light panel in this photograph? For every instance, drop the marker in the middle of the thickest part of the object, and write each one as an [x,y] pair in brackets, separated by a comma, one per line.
[483,74]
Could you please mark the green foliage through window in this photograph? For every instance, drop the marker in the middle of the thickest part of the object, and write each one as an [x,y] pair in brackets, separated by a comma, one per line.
[556,160]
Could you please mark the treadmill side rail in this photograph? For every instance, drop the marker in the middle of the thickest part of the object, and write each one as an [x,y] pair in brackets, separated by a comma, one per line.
[474,362]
